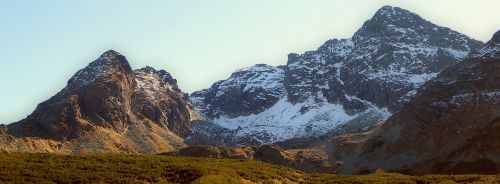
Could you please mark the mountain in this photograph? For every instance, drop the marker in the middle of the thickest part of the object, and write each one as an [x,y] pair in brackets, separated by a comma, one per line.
[344,86]
[107,106]
[452,125]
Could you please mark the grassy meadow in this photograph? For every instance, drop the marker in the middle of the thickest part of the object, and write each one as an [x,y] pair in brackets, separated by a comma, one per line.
[120,168]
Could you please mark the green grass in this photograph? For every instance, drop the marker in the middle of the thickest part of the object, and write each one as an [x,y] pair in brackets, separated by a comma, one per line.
[400,178]
[119,168]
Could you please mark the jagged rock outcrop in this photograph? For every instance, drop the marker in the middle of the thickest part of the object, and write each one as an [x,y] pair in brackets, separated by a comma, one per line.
[359,80]
[107,107]
[450,126]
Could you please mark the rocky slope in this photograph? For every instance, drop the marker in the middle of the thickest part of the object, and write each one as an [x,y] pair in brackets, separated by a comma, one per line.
[311,160]
[452,125]
[358,81]
[247,91]
[107,107]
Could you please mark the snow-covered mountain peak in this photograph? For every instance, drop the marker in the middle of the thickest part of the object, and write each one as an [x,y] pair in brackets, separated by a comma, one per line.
[392,19]
[394,26]
[375,71]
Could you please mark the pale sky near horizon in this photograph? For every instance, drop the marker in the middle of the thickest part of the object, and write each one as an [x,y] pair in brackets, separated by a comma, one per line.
[43,43]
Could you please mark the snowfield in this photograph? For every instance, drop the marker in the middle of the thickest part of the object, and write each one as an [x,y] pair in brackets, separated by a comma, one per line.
[285,120]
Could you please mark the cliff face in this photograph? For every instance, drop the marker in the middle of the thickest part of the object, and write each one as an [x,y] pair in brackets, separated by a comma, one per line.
[108,107]
[450,126]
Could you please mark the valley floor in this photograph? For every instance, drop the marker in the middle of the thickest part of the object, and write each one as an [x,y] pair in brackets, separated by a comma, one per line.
[120,168]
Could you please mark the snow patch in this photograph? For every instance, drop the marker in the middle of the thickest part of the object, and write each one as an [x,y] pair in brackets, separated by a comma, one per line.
[256,77]
[285,120]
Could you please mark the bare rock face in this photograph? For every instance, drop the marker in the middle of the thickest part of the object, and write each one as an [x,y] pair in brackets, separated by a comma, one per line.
[109,107]
[450,126]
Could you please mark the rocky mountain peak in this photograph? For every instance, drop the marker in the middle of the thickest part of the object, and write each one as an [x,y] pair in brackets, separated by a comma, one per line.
[113,108]
[361,79]
[496,37]
[110,54]
[114,58]
[395,26]
[490,49]
[161,74]
[389,19]
[109,63]
[394,51]
[390,13]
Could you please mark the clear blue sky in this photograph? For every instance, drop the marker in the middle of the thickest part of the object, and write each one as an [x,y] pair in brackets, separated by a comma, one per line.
[43,43]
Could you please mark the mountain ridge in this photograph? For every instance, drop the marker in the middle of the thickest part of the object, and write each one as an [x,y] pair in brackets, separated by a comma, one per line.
[368,77]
